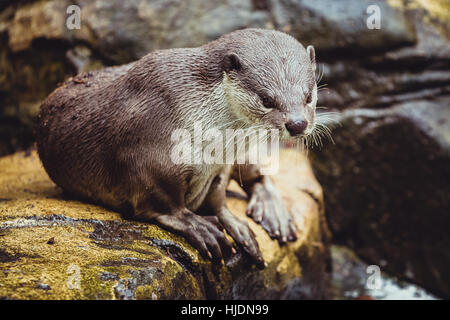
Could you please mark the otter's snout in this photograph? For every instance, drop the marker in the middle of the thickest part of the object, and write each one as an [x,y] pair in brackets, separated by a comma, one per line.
[296,127]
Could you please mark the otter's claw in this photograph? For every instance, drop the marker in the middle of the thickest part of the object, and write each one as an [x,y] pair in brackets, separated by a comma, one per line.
[205,236]
[266,207]
[243,235]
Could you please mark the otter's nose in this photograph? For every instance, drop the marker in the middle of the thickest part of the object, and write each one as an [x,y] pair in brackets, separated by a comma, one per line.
[297,127]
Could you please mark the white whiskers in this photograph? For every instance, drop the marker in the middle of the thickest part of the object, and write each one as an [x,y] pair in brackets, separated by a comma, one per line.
[324,123]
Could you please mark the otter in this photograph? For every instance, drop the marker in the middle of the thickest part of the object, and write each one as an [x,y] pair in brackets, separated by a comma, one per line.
[105,135]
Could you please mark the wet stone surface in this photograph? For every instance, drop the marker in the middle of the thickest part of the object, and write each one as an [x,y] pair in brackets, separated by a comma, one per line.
[354,279]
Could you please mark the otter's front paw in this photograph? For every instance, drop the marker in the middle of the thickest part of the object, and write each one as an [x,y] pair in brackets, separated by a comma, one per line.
[205,236]
[243,235]
[266,207]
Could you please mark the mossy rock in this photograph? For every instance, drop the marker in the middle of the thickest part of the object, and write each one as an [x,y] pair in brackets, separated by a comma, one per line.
[55,247]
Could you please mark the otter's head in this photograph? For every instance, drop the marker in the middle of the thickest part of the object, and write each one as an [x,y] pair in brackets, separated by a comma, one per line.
[269,80]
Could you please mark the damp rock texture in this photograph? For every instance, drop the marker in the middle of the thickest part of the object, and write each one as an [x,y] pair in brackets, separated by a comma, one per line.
[55,247]
[386,177]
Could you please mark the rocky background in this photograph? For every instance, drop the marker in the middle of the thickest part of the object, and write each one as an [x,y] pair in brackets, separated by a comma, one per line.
[385,178]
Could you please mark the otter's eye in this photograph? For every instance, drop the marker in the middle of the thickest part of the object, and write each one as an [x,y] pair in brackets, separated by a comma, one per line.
[309,99]
[268,102]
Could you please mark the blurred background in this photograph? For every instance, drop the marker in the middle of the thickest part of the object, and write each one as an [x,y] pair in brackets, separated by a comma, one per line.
[385,177]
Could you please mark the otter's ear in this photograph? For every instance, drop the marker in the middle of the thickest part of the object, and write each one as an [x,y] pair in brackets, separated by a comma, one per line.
[231,62]
[312,56]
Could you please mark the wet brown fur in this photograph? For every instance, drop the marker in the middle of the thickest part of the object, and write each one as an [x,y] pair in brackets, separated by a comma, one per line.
[105,135]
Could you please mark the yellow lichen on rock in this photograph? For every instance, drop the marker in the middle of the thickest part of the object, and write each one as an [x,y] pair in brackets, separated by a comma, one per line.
[55,247]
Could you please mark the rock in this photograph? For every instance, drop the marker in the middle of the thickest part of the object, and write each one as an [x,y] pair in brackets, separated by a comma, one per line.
[123,31]
[339,27]
[98,255]
[380,79]
[385,179]
[438,12]
[356,280]
[386,188]
[26,78]
[42,19]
